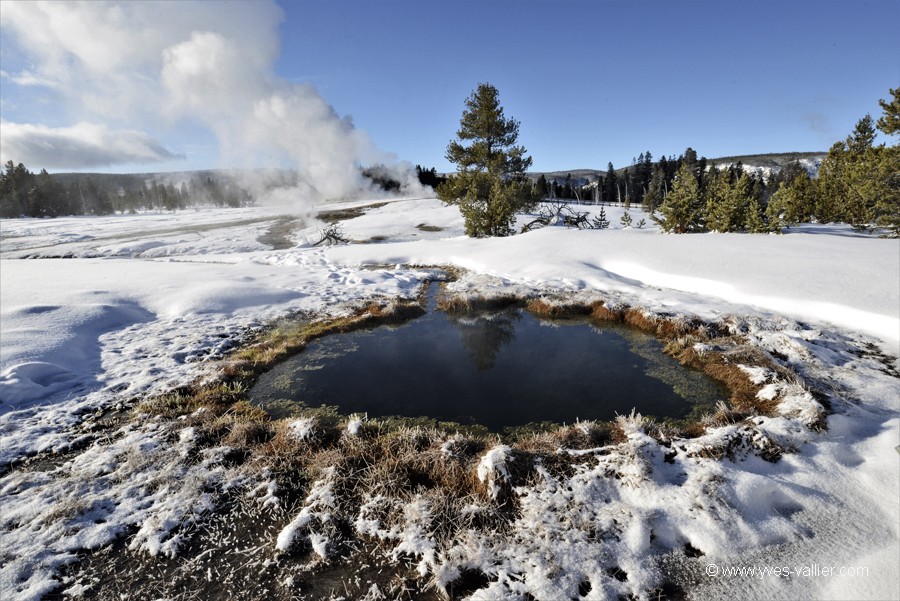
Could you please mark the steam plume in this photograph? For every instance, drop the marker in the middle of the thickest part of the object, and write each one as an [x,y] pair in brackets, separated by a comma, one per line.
[122,69]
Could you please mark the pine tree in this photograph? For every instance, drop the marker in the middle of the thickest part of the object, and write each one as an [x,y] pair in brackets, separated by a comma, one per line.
[717,194]
[863,136]
[655,189]
[600,222]
[829,188]
[887,206]
[754,220]
[541,186]
[792,203]
[681,210]
[15,184]
[490,186]
[855,179]
[612,185]
[889,123]
[740,197]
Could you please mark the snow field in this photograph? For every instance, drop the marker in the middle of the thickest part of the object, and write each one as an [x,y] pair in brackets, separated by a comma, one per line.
[139,310]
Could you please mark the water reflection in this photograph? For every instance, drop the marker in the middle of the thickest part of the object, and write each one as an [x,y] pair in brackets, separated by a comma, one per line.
[483,335]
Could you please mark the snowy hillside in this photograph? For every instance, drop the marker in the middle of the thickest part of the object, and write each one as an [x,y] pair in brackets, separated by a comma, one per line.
[95,312]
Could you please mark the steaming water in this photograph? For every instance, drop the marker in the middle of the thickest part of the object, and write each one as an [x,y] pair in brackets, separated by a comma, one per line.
[498,369]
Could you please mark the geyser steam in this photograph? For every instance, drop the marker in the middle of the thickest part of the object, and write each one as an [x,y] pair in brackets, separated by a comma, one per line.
[135,67]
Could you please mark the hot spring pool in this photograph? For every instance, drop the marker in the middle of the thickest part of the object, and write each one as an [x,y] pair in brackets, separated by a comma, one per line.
[498,369]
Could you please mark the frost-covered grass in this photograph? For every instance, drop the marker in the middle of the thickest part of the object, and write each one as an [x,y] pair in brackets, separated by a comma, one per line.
[135,467]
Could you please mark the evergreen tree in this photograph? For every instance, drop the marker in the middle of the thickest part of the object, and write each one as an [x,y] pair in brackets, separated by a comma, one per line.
[689,158]
[792,203]
[754,220]
[829,188]
[655,189]
[787,174]
[541,186]
[15,183]
[668,174]
[681,210]
[889,123]
[428,177]
[858,180]
[739,199]
[717,194]
[863,136]
[600,222]
[96,199]
[611,184]
[887,207]
[490,186]
[54,199]
[701,174]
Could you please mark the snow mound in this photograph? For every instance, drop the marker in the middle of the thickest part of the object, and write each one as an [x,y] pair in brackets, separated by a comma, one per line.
[35,381]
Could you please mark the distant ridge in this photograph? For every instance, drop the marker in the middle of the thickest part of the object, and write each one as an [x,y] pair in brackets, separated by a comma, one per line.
[772,161]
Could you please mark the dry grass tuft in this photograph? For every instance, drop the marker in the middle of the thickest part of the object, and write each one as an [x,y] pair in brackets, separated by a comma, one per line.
[463,303]
[169,405]
[606,312]
[557,310]
[246,435]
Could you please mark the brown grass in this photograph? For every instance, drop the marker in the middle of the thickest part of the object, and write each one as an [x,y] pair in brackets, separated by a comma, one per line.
[678,334]
[460,304]
[290,335]
[605,312]
[722,365]
[557,310]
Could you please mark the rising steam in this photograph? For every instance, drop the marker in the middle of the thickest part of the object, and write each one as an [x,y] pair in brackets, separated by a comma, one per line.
[135,67]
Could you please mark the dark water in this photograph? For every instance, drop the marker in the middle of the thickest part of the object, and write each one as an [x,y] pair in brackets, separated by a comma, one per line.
[497,369]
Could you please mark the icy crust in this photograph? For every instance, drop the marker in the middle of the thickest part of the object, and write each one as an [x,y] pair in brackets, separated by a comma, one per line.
[150,481]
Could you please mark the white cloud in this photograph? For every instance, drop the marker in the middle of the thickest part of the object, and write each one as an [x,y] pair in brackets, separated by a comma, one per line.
[82,145]
[27,78]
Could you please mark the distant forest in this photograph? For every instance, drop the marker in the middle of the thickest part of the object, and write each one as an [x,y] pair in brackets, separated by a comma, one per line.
[27,194]
[646,182]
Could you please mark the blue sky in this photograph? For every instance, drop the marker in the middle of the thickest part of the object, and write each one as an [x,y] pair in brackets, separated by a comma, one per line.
[591,82]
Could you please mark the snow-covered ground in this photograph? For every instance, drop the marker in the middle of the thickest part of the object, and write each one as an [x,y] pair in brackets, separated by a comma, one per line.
[93,310]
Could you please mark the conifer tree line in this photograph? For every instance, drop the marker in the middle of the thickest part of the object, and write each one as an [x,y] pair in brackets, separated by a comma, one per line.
[858,183]
[23,193]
